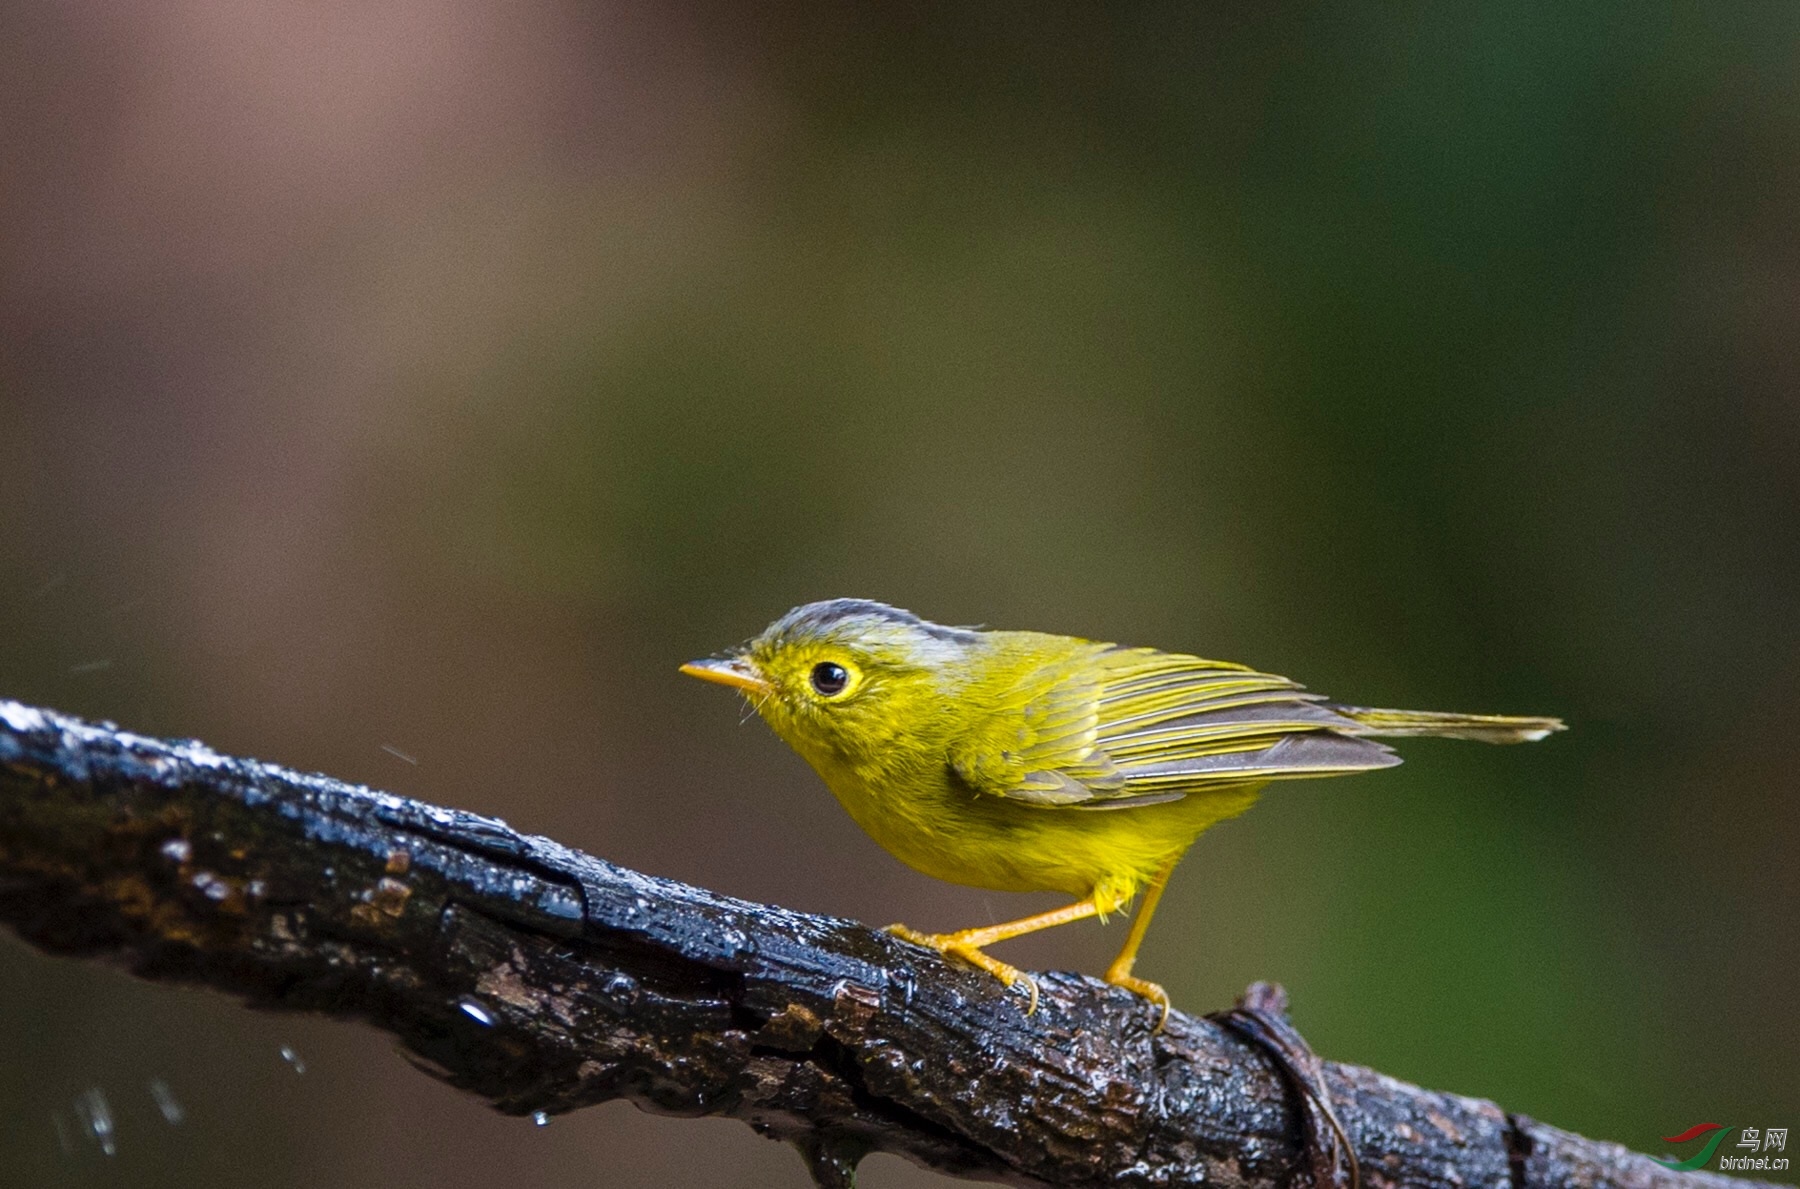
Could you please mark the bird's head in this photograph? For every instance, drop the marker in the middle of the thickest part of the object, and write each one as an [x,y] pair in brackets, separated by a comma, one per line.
[842,679]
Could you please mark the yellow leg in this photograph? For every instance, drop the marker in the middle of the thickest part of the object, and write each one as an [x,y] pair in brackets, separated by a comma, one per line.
[1119,973]
[969,943]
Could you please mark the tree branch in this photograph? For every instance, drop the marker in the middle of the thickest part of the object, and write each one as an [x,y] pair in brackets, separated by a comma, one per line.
[544,979]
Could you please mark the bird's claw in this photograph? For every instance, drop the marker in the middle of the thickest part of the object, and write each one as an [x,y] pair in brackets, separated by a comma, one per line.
[957,945]
[1149,990]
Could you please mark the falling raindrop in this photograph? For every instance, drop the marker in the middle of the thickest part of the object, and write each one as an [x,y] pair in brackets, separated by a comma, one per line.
[97,1119]
[476,1010]
[541,1118]
[62,1133]
[293,1058]
[172,1111]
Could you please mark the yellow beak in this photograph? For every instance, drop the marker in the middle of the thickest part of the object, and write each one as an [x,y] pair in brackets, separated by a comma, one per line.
[736,672]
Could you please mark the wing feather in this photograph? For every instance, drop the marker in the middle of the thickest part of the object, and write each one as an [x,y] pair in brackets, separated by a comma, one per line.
[1114,728]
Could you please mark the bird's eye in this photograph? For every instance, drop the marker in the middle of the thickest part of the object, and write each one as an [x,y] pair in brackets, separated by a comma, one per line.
[830,678]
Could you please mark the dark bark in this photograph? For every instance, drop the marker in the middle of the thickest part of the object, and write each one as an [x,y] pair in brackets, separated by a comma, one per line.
[544,979]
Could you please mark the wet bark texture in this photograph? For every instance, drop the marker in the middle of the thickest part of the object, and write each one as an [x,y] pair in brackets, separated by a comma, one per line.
[544,979]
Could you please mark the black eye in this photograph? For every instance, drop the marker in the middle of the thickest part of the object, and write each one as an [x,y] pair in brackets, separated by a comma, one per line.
[829,678]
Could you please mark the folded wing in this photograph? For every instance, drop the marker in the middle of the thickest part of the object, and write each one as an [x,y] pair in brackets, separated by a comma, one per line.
[1114,728]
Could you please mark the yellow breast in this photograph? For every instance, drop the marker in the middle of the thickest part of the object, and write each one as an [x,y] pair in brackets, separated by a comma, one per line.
[930,823]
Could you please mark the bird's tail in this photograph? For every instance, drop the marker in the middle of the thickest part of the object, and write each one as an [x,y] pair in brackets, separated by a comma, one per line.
[1483,728]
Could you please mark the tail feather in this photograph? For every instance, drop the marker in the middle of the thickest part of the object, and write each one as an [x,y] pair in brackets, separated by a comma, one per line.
[1483,728]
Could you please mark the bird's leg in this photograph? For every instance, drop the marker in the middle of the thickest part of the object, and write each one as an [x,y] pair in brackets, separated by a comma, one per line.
[1119,973]
[968,943]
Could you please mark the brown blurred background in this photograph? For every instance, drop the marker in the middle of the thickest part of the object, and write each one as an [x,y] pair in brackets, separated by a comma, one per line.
[436,376]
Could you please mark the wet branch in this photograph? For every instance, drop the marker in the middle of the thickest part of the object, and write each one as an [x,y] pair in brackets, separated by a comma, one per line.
[544,979]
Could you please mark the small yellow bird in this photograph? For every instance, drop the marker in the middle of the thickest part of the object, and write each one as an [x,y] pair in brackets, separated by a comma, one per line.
[1030,762]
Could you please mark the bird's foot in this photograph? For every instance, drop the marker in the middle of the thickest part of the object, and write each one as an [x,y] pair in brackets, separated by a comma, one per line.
[961,946]
[1149,990]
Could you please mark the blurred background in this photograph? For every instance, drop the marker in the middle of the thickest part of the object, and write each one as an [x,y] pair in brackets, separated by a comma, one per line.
[432,377]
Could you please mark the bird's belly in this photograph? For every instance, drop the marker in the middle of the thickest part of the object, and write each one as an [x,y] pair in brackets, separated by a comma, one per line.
[989,842]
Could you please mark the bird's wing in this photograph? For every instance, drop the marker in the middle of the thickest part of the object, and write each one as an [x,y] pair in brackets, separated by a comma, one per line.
[1117,728]
[1037,743]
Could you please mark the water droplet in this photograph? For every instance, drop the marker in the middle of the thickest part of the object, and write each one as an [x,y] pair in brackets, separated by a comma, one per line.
[62,1133]
[541,1118]
[476,1010]
[166,1102]
[211,886]
[292,1058]
[177,850]
[97,1119]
